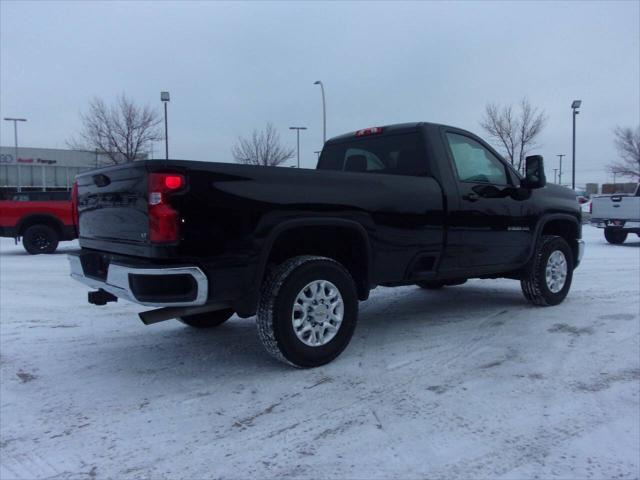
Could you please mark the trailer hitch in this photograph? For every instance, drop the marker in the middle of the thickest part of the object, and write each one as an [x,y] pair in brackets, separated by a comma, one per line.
[101,297]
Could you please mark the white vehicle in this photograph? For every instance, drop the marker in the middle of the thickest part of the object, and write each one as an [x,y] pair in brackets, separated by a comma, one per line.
[618,214]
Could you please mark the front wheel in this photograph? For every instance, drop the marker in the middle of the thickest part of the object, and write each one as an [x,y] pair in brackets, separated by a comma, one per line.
[308,311]
[40,239]
[548,279]
[207,319]
[615,236]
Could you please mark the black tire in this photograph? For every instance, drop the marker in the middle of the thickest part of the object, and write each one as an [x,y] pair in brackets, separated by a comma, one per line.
[434,285]
[535,286]
[207,319]
[275,310]
[40,239]
[615,236]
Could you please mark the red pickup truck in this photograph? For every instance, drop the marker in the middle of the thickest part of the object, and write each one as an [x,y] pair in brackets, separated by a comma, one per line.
[42,219]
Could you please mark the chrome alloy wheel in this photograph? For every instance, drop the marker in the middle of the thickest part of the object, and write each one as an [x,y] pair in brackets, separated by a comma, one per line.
[556,271]
[317,314]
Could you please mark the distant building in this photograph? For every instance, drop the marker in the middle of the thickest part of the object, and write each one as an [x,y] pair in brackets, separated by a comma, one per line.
[44,168]
[591,188]
[627,187]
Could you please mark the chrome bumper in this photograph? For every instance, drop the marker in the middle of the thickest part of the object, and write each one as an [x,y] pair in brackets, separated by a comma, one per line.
[626,225]
[118,281]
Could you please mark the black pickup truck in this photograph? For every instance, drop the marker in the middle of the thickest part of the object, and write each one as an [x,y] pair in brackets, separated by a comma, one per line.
[416,203]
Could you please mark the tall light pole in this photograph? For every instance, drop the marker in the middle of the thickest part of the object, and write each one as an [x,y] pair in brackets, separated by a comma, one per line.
[324,113]
[297,129]
[574,106]
[15,140]
[560,155]
[164,97]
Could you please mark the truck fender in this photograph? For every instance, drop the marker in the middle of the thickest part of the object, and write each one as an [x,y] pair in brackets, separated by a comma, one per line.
[315,222]
[544,220]
[39,219]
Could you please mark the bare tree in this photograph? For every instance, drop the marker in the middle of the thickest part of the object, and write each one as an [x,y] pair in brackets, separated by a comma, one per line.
[514,132]
[122,132]
[627,142]
[262,148]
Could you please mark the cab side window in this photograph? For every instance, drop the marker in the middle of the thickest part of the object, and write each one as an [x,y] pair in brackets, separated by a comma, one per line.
[474,163]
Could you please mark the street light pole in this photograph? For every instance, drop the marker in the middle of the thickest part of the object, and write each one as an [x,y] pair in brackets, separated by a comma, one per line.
[297,129]
[164,97]
[15,140]
[324,113]
[560,155]
[574,106]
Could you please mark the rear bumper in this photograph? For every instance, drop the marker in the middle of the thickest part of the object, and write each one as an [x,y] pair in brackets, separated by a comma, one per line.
[152,285]
[621,224]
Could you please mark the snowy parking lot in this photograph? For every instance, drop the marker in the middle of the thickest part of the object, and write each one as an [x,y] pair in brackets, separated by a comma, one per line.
[465,382]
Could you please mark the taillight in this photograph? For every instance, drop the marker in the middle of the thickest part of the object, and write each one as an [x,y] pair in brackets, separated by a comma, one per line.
[590,207]
[74,206]
[164,221]
[369,131]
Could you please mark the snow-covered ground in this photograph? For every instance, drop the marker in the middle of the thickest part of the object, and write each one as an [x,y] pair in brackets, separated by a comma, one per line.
[466,382]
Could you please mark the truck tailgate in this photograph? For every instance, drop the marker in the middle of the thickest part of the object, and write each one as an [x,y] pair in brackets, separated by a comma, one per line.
[112,205]
[617,207]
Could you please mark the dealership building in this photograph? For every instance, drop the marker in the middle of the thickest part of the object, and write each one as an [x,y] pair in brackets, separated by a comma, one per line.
[44,168]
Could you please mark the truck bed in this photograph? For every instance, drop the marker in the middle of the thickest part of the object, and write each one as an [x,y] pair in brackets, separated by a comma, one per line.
[228,211]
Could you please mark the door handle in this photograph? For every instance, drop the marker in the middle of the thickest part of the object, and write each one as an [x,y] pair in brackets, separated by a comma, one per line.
[471,197]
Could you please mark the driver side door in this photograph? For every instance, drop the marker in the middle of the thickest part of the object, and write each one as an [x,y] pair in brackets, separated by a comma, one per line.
[489,227]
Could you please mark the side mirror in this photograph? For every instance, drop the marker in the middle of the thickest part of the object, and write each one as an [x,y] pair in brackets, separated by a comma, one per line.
[535,177]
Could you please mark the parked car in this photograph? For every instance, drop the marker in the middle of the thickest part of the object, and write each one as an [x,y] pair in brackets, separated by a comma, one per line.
[417,203]
[40,219]
[618,214]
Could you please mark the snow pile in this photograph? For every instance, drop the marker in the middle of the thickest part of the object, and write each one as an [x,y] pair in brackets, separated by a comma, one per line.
[466,382]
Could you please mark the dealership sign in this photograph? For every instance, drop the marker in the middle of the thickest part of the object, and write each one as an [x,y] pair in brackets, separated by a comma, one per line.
[7,158]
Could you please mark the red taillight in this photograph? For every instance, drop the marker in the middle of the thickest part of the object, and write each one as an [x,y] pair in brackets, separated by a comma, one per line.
[74,206]
[163,219]
[590,207]
[369,131]
[173,182]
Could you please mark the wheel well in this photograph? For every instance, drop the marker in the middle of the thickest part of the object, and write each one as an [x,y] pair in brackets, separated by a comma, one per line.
[565,229]
[40,220]
[345,245]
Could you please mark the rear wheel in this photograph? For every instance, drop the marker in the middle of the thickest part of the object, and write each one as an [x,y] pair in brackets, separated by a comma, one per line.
[615,236]
[549,277]
[40,239]
[207,319]
[308,311]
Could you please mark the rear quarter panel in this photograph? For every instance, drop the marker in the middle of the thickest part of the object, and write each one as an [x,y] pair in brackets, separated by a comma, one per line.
[12,213]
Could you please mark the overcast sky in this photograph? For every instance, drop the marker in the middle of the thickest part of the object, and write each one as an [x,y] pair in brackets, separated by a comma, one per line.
[232,67]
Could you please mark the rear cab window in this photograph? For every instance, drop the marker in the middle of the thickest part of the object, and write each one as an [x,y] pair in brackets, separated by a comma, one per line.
[394,154]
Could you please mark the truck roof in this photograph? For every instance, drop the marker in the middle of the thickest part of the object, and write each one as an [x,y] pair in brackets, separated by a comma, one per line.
[388,129]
